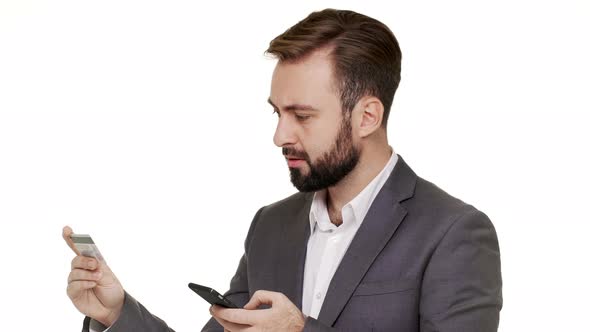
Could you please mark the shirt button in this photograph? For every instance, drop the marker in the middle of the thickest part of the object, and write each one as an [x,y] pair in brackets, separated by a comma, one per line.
[318,296]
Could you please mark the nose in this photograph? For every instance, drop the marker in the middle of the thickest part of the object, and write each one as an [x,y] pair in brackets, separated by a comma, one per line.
[285,133]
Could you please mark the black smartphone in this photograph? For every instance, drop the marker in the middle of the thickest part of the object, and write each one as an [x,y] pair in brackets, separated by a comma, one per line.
[211,295]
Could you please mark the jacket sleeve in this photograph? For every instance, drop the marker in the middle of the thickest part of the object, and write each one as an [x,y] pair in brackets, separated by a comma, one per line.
[134,317]
[238,291]
[462,285]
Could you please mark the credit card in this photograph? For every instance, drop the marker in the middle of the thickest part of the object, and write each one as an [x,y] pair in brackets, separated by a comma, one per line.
[86,246]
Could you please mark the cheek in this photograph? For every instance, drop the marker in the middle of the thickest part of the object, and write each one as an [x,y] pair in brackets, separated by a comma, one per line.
[317,150]
[319,138]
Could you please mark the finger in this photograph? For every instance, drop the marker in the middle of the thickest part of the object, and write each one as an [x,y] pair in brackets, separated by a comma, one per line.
[75,288]
[83,262]
[65,233]
[262,297]
[84,275]
[239,316]
[229,326]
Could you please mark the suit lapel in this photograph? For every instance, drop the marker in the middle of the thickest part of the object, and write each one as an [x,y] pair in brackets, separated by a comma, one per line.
[381,222]
[295,235]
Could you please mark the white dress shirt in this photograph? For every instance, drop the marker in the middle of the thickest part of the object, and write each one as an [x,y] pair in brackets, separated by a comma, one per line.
[328,243]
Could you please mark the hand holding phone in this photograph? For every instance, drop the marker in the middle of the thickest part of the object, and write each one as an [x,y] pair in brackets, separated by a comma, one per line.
[211,295]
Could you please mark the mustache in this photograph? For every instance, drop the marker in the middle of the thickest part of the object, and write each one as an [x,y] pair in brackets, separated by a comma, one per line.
[294,153]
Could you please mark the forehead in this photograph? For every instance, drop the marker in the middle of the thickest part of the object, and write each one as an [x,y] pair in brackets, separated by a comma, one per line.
[307,81]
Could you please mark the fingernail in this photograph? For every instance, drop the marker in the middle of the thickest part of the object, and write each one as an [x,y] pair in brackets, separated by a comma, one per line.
[91,265]
[98,275]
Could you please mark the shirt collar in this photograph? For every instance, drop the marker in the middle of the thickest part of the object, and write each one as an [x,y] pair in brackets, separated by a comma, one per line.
[318,214]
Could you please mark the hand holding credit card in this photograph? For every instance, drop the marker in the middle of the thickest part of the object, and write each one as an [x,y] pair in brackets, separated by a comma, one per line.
[92,286]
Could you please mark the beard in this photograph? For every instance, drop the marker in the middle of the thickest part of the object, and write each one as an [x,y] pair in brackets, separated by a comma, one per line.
[331,167]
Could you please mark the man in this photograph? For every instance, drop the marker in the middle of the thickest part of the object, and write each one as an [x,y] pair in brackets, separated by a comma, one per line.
[366,244]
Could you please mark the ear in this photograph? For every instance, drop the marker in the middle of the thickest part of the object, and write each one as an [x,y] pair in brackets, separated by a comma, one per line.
[370,112]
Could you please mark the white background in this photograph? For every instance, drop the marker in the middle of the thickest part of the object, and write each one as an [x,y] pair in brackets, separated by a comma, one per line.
[145,124]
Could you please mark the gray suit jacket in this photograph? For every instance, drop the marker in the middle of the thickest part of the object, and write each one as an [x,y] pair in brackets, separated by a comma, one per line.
[422,260]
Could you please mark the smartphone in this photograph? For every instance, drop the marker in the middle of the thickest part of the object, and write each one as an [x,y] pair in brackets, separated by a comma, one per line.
[86,246]
[211,295]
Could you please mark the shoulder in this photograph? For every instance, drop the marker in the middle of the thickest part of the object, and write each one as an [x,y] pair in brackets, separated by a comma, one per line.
[289,205]
[430,198]
[435,209]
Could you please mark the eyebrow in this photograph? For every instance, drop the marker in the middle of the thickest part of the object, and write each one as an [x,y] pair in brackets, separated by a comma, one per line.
[294,107]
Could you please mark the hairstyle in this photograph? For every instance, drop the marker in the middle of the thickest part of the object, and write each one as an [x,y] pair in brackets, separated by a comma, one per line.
[365,54]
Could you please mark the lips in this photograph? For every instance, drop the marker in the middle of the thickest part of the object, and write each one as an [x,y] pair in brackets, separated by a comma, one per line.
[293,157]
[294,162]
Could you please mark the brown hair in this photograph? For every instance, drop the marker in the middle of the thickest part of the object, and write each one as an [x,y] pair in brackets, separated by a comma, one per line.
[365,53]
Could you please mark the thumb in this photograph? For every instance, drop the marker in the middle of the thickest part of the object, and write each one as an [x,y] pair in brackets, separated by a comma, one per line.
[261,297]
[65,233]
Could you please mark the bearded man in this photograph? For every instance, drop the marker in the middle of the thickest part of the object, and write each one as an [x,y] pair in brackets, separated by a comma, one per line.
[365,244]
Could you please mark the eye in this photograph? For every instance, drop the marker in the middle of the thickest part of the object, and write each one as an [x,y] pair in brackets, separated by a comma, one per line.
[302,117]
[277,113]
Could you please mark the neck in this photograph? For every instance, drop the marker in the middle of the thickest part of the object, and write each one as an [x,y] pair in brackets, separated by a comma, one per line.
[370,164]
